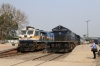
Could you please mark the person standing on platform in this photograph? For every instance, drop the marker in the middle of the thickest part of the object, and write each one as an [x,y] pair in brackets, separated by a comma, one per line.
[94,48]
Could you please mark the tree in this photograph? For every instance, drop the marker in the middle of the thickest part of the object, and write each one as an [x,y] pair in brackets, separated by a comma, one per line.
[11,20]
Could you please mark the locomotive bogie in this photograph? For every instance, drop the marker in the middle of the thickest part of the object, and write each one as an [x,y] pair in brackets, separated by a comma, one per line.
[30,46]
[60,46]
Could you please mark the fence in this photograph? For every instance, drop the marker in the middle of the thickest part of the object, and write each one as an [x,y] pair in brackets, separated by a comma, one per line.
[8,41]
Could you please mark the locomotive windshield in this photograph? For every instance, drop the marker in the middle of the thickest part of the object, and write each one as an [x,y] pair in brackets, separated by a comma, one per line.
[30,32]
[23,32]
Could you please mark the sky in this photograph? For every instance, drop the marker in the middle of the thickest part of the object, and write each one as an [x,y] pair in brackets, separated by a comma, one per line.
[72,14]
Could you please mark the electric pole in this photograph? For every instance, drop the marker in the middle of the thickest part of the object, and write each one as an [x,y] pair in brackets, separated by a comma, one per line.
[87,30]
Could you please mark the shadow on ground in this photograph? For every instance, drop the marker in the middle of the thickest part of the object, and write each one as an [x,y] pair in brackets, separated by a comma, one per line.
[89,57]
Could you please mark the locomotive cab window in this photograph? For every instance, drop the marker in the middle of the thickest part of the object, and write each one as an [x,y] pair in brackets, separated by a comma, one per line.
[37,33]
[23,32]
[30,32]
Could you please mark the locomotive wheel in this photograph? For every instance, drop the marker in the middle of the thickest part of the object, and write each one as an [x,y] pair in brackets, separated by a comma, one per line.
[66,50]
[33,48]
[42,47]
[52,45]
[55,50]
[73,46]
[22,51]
[66,45]
[49,51]
[26,45]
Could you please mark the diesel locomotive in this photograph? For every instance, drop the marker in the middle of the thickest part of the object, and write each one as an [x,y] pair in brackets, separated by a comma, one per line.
[64,40]
[60,39]
[31,39]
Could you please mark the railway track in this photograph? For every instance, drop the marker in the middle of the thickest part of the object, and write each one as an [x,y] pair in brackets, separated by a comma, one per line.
[50,57]
[13,52]
[44,58]
[9,53]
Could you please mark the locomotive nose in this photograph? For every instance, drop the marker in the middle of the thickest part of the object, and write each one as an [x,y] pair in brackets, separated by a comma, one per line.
[25,36]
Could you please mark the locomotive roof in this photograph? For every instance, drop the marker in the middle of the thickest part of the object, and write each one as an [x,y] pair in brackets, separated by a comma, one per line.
[60,28]
[42,31]
[30,27]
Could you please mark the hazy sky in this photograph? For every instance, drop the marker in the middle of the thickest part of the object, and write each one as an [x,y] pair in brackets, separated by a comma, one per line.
[73,14]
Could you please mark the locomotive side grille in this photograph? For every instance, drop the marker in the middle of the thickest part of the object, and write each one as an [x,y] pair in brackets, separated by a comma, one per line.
[62,38]
[59,38]
[67,38]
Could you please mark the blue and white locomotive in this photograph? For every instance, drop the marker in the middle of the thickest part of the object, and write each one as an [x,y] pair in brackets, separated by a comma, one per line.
[64,40]
[31,39]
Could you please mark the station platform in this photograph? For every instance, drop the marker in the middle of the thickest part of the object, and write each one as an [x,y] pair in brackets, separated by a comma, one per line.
[80,56]
[7,47]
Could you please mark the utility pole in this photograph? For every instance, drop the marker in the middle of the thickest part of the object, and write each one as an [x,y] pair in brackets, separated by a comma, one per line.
[87,30]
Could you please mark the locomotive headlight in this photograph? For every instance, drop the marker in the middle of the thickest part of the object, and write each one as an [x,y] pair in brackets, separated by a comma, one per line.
[30,36]
[38,36]
[20,37]
[33,36]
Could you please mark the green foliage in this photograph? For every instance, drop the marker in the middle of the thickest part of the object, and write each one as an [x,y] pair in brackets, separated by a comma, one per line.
[6,21]
[11,19]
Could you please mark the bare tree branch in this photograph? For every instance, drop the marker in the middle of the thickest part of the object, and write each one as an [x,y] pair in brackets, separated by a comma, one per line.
[11,18]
